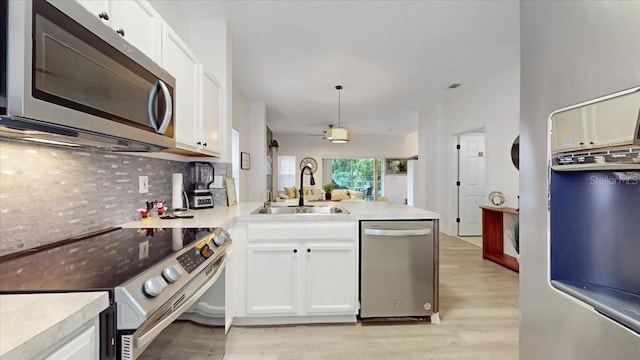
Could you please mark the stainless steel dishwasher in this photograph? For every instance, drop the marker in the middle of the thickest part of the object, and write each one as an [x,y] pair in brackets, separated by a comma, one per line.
[399,269]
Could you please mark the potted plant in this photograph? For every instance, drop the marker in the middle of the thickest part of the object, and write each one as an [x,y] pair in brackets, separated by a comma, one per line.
[514,230]
[328,188]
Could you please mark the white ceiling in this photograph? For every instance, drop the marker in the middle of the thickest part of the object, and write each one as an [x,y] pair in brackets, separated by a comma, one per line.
[393,58]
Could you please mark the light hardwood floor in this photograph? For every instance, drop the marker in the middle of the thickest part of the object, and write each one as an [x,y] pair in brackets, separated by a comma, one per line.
[474,240]
[478,312]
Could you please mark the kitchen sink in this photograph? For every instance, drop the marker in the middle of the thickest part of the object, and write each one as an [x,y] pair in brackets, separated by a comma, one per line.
[300,210]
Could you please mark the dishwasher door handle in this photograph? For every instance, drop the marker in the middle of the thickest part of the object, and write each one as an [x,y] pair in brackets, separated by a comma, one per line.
[395,232]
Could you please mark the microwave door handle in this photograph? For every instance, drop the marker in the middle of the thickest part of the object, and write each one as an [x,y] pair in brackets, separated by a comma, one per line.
[153,96]
[168,108]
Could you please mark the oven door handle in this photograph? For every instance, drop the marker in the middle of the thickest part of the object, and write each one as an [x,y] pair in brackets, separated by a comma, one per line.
[141,341]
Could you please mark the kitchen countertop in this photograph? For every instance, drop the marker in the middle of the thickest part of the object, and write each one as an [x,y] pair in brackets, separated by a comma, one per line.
[225,216]
[31,323]
[28,326]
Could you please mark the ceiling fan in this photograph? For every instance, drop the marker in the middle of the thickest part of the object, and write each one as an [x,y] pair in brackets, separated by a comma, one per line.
[324,133]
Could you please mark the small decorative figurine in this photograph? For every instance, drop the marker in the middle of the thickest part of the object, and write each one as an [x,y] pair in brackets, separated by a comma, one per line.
[145,214]
[160,206]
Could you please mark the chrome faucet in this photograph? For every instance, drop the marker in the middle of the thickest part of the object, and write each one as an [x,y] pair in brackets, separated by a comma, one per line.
[312,181]
[267,194]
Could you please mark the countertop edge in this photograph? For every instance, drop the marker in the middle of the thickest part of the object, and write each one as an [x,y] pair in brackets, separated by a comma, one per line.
[227,216]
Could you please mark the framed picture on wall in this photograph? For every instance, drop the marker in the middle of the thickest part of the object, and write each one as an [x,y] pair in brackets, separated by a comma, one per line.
[245,161]
[396,166]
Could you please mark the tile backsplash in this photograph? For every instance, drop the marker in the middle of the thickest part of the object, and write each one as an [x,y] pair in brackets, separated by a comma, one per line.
[48,194]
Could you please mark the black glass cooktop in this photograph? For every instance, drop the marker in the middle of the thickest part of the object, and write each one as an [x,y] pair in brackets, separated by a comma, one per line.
[97,262]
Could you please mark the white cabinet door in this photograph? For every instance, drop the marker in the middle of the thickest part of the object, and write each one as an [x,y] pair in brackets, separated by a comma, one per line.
[83,346]
[302,268]
[97,7]
[272,278]
[568,130]
[614,121]
[136,19]
[180,62]
[609,122]
[210,103]
[140,24]
[330,278]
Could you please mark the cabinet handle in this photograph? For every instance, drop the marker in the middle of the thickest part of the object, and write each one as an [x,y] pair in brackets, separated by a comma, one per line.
[199,143]
[295,251]
[120,31]
[205,144]
[103,15]
[308,250]
[591,142]
[581,143]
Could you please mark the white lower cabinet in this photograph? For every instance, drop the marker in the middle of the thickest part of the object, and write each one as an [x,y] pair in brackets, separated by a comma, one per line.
[330,276]
[272,278]
[83,345]
[302,269]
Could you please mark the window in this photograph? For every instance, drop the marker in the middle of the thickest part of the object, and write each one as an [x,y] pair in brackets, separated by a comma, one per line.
[356,174]
[286,171]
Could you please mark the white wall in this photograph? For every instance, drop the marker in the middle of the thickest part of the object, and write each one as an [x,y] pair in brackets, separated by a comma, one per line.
[369,146]
[571,52]
[258,145]
[431,165]
[242,123]
[494,106]
[394,187]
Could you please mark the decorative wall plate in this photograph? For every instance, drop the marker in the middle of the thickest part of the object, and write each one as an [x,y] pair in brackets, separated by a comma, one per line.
[311,161]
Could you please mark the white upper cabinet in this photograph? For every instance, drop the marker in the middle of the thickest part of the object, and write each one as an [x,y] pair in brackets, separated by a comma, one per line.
[180,62]
[613,122]
[97,7]
[610,122]
[198,96]
[211,115]
[568,131]
[135,20]
[197,102]
[140,24]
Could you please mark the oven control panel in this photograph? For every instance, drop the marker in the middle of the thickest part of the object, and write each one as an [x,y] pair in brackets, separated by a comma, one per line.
[191,260]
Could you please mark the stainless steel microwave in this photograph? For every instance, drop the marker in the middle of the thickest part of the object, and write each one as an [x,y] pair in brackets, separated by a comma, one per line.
[70,76]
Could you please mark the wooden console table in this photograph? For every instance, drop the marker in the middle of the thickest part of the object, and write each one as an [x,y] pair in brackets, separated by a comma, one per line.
[493,236]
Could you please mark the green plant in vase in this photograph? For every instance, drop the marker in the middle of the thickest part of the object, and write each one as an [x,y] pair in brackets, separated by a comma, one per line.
[328,188]
[514,229]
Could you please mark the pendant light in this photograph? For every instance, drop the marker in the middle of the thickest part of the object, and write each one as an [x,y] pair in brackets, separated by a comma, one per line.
[338,135]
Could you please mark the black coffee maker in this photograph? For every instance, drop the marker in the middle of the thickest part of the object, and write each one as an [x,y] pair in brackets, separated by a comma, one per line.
[200,178]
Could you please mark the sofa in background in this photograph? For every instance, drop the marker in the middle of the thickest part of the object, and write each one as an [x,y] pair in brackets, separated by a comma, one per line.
[317,194]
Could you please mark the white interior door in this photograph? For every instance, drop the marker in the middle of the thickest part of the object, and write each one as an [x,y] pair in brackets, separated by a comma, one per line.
[471,189]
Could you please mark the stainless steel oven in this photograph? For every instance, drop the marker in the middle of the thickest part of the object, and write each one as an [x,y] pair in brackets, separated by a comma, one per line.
[153,277]
[68,73]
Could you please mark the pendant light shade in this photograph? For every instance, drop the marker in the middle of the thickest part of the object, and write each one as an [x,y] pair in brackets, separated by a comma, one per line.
[339,134]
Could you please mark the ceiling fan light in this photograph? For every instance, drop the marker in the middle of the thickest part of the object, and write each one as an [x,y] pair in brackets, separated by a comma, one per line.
[329,134]
[339,135]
